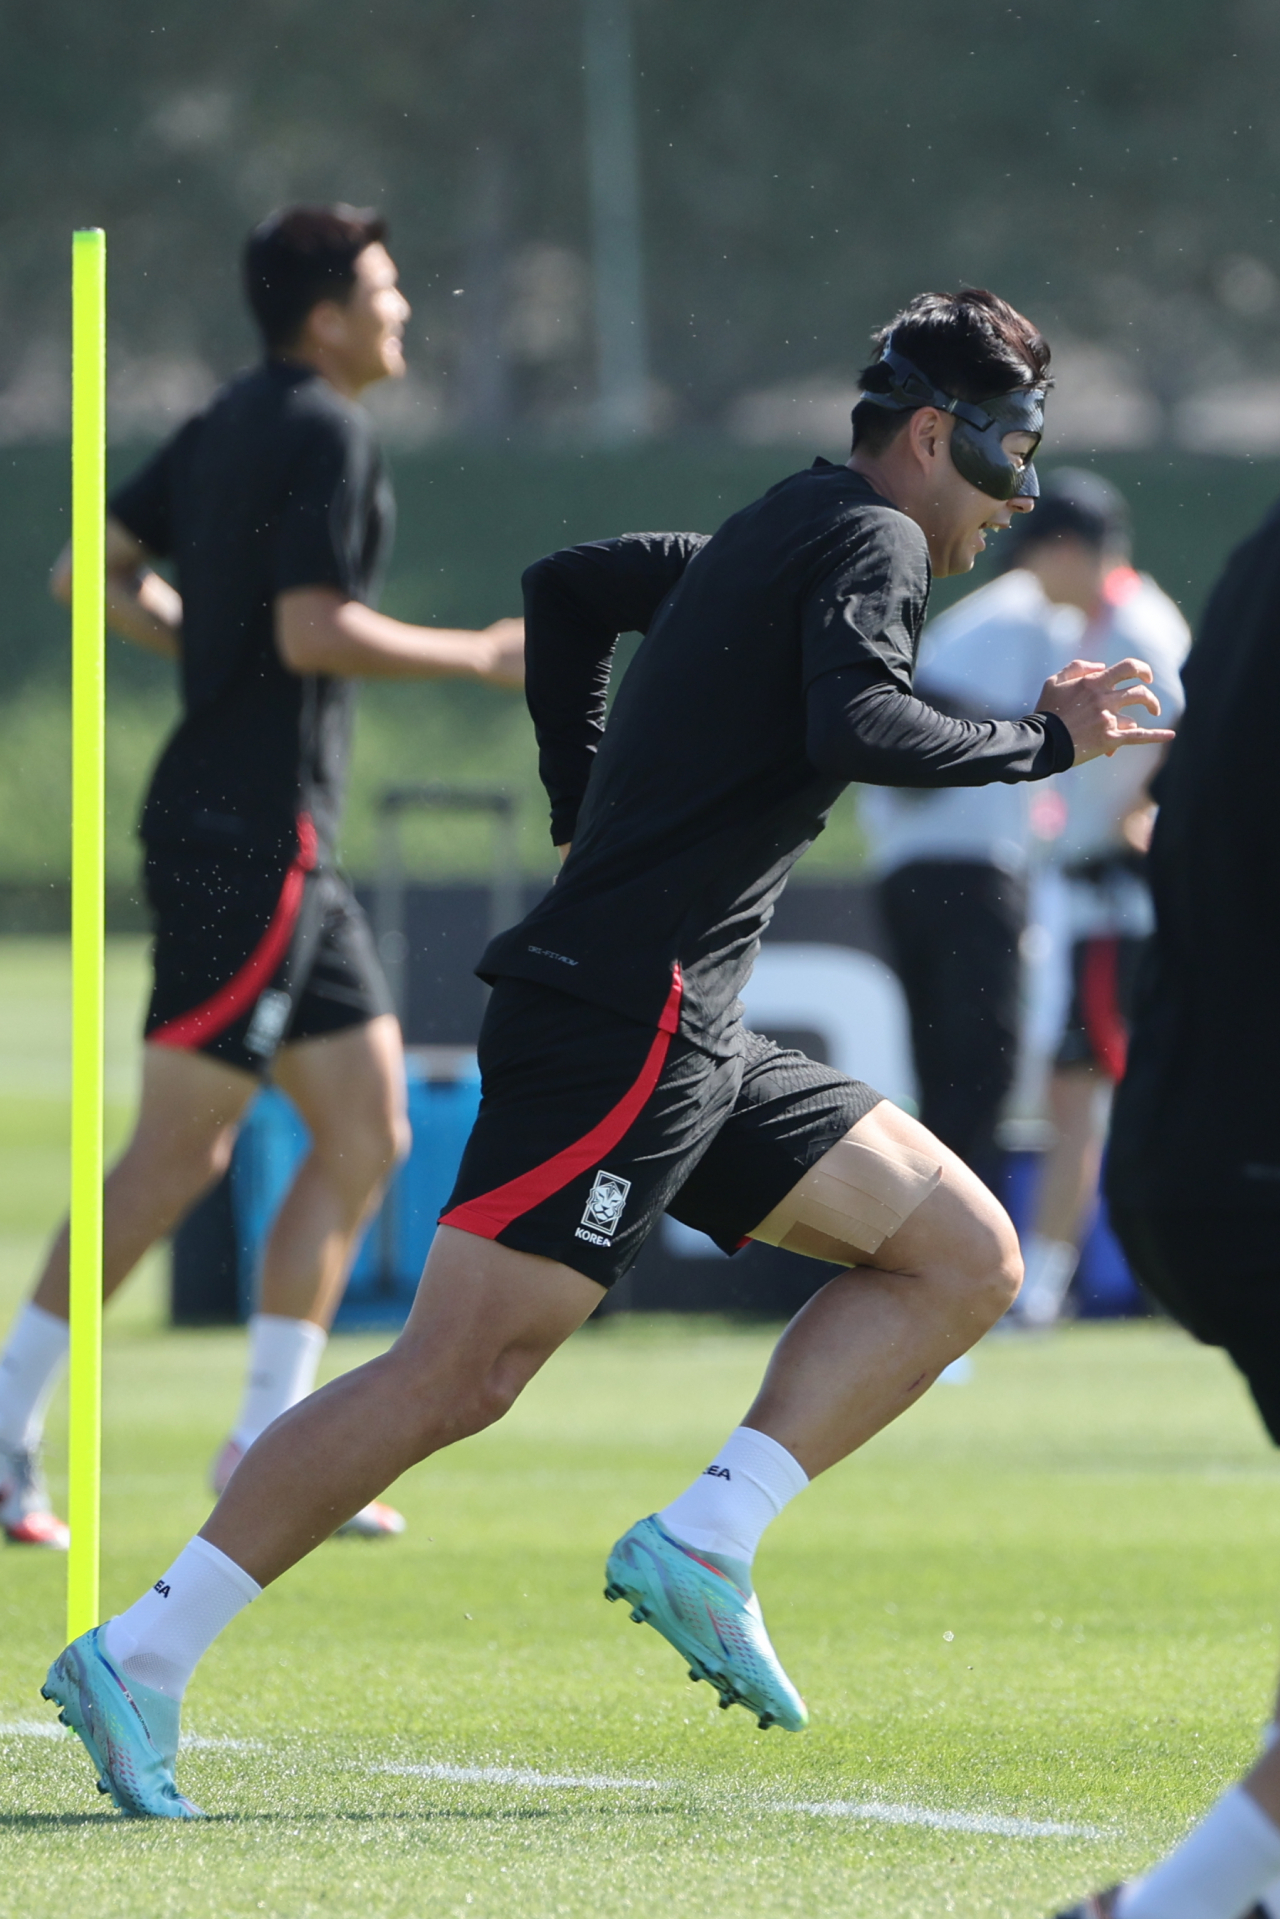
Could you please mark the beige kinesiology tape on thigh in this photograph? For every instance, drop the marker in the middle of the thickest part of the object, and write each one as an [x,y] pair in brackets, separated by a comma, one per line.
[850,1202]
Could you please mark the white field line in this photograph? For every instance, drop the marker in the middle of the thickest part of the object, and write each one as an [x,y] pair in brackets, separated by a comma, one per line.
[884,1815]
[873,1810]
[524,1776]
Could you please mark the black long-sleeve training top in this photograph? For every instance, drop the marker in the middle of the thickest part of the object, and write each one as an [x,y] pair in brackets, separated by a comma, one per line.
[777,667]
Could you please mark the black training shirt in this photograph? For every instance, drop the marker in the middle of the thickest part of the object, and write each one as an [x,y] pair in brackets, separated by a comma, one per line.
[1196,1121]
[777,667]
[278,484]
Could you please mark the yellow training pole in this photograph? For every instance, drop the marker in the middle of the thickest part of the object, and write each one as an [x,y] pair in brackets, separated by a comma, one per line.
[88,665]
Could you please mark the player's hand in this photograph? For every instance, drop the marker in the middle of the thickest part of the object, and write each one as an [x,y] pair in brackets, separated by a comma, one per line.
[502,653]
[1085,696]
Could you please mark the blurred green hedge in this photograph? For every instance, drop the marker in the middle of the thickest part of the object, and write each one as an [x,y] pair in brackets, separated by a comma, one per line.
[469,521]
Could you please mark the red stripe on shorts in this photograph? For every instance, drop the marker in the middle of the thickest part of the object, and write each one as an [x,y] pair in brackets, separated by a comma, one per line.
[1100,1004]
[214,1015]
[487,1216]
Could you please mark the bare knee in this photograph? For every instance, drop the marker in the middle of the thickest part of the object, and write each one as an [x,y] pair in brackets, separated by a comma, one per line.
[987,1259]
[360,1154]
[173,1167]
[458,1408]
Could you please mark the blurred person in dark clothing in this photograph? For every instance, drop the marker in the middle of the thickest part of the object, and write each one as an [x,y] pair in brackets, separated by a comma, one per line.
[1193,1173]
[276,511]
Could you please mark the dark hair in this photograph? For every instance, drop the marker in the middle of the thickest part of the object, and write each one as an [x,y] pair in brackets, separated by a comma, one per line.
[1074,504]
[299,257]
[972,344]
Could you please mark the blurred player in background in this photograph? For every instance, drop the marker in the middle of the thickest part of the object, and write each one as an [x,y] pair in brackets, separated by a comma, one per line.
[1079,553]
[275,509]
[618,1081]
[952,861]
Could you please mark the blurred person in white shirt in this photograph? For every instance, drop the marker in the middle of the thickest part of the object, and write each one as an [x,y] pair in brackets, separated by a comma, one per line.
[1101,851]
[952,864]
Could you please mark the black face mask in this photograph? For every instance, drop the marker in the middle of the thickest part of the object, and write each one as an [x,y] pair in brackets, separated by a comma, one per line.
[977,452]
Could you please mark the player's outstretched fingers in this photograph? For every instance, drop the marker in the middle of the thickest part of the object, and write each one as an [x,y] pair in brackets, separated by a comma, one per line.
[1129,733]
[1125,670]
[1079,670]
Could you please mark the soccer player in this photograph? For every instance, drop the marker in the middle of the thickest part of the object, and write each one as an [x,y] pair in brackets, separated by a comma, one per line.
[276,511]
[618,1079]
[1193,1168]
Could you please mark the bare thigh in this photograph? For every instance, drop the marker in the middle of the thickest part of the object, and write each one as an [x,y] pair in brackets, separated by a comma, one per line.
[960,1224]
[349,1085]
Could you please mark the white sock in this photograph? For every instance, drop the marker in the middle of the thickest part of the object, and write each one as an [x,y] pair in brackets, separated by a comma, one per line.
[283,1357]
[1219,1870]
[1049,1265]
[163,1636]
[30,1367]
[733,1499]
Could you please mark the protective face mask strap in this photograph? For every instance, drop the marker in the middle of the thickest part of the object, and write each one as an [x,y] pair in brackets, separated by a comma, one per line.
[977,452]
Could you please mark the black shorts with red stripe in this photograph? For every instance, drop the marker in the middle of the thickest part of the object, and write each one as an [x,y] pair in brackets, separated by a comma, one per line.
[592,1126]
[1104,969]
[251,953]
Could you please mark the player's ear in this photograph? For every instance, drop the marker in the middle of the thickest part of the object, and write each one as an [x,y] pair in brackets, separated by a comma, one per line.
[931,430]
[927,430]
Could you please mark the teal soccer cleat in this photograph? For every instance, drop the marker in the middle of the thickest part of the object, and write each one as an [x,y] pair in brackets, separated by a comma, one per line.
[713,1622]
[129,1731]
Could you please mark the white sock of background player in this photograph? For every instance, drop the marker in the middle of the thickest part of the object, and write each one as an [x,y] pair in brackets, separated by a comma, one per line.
[283,1357]
[32,1363]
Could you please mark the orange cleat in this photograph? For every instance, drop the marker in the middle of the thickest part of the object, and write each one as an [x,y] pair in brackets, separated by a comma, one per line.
[377,1520]
[26,1517]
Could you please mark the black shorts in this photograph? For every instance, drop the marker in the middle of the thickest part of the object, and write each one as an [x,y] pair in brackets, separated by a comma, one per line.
[592,1126]
[1103,971]
[251,954]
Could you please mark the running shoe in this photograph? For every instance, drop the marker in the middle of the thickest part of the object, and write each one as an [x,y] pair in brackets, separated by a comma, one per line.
[26,1516]
[377,1520]
[129,1731]
[711,1618]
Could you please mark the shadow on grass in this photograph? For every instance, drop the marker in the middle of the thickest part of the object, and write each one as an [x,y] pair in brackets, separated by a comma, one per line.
[52,1821]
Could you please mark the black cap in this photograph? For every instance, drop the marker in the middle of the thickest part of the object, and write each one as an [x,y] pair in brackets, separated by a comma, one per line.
[1074,502]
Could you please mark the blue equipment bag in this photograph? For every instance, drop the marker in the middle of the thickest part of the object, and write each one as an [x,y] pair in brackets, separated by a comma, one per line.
[271,1146]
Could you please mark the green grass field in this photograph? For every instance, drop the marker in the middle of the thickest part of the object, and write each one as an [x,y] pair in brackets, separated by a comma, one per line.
[1035,1624]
